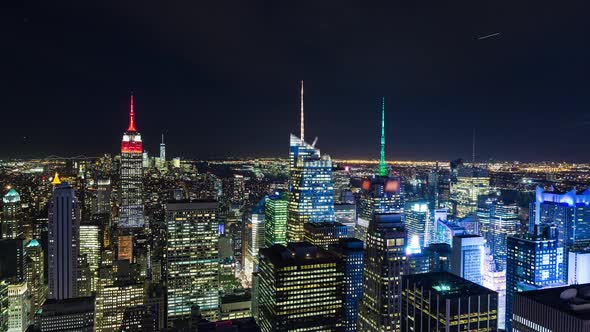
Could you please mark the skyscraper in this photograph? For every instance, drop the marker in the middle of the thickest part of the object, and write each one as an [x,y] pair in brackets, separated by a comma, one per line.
[90,245]
[192,260]
[11,219]
[103,196]
[300,289]
[498,221]
[311,195]
[467,257]
[471,183]
[442,301]
[417,219]
[64,242]
[531,264]
[276,212]
[162,153]
[35,274]
[131,212]
[570,211]
[255,228]
[311,185]
[19,309]
[385,263]
[351,255]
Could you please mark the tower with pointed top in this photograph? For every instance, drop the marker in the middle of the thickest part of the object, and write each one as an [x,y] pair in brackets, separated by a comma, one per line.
[382,164]
[131,212]
[311,185]
[162,153]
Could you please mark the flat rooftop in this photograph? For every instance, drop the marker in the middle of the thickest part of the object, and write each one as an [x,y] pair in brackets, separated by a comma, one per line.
[446,284]
[573,300]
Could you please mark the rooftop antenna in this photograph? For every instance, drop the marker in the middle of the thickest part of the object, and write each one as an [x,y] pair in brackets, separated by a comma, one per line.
[131,116]
[382,164]
[302,133]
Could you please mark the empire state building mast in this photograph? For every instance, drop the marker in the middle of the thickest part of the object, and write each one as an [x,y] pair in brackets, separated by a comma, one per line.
[131,212]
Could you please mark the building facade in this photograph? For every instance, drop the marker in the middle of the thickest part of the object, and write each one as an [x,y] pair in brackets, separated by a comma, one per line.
[64,243]
[531,264]
[467,257]
[192,259]
[311,188]
[385,264]
[300,289]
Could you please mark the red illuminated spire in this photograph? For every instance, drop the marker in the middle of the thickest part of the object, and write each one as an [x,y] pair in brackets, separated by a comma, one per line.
[131,117]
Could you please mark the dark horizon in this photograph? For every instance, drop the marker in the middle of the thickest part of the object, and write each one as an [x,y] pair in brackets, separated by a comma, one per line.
[223,81]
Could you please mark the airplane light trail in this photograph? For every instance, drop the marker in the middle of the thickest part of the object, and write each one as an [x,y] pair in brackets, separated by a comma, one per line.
[488,36]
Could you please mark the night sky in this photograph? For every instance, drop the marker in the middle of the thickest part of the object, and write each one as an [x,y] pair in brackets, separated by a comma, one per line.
[221,78]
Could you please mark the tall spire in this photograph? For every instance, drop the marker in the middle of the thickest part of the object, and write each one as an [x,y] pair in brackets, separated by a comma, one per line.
[162,138]
[473,148]
[382,164]
[131,116]
[302,133]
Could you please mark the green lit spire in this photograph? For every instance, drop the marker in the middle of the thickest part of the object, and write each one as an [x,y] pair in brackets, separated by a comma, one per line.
[382,164]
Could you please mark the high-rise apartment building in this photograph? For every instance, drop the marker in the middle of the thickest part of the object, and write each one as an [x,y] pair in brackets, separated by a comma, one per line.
[385,264]
[300,289]
[131,211]
[442,301]
[192,260]
[64,242]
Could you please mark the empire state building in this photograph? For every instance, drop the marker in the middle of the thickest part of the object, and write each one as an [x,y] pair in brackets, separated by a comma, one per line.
[131,212]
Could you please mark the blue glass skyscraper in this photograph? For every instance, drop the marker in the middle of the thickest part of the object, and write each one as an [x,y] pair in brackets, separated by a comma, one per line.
[570,211]
[531,264]
[311,185]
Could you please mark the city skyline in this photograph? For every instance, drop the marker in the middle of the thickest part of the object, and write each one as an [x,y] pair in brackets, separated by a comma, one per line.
[230,74]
